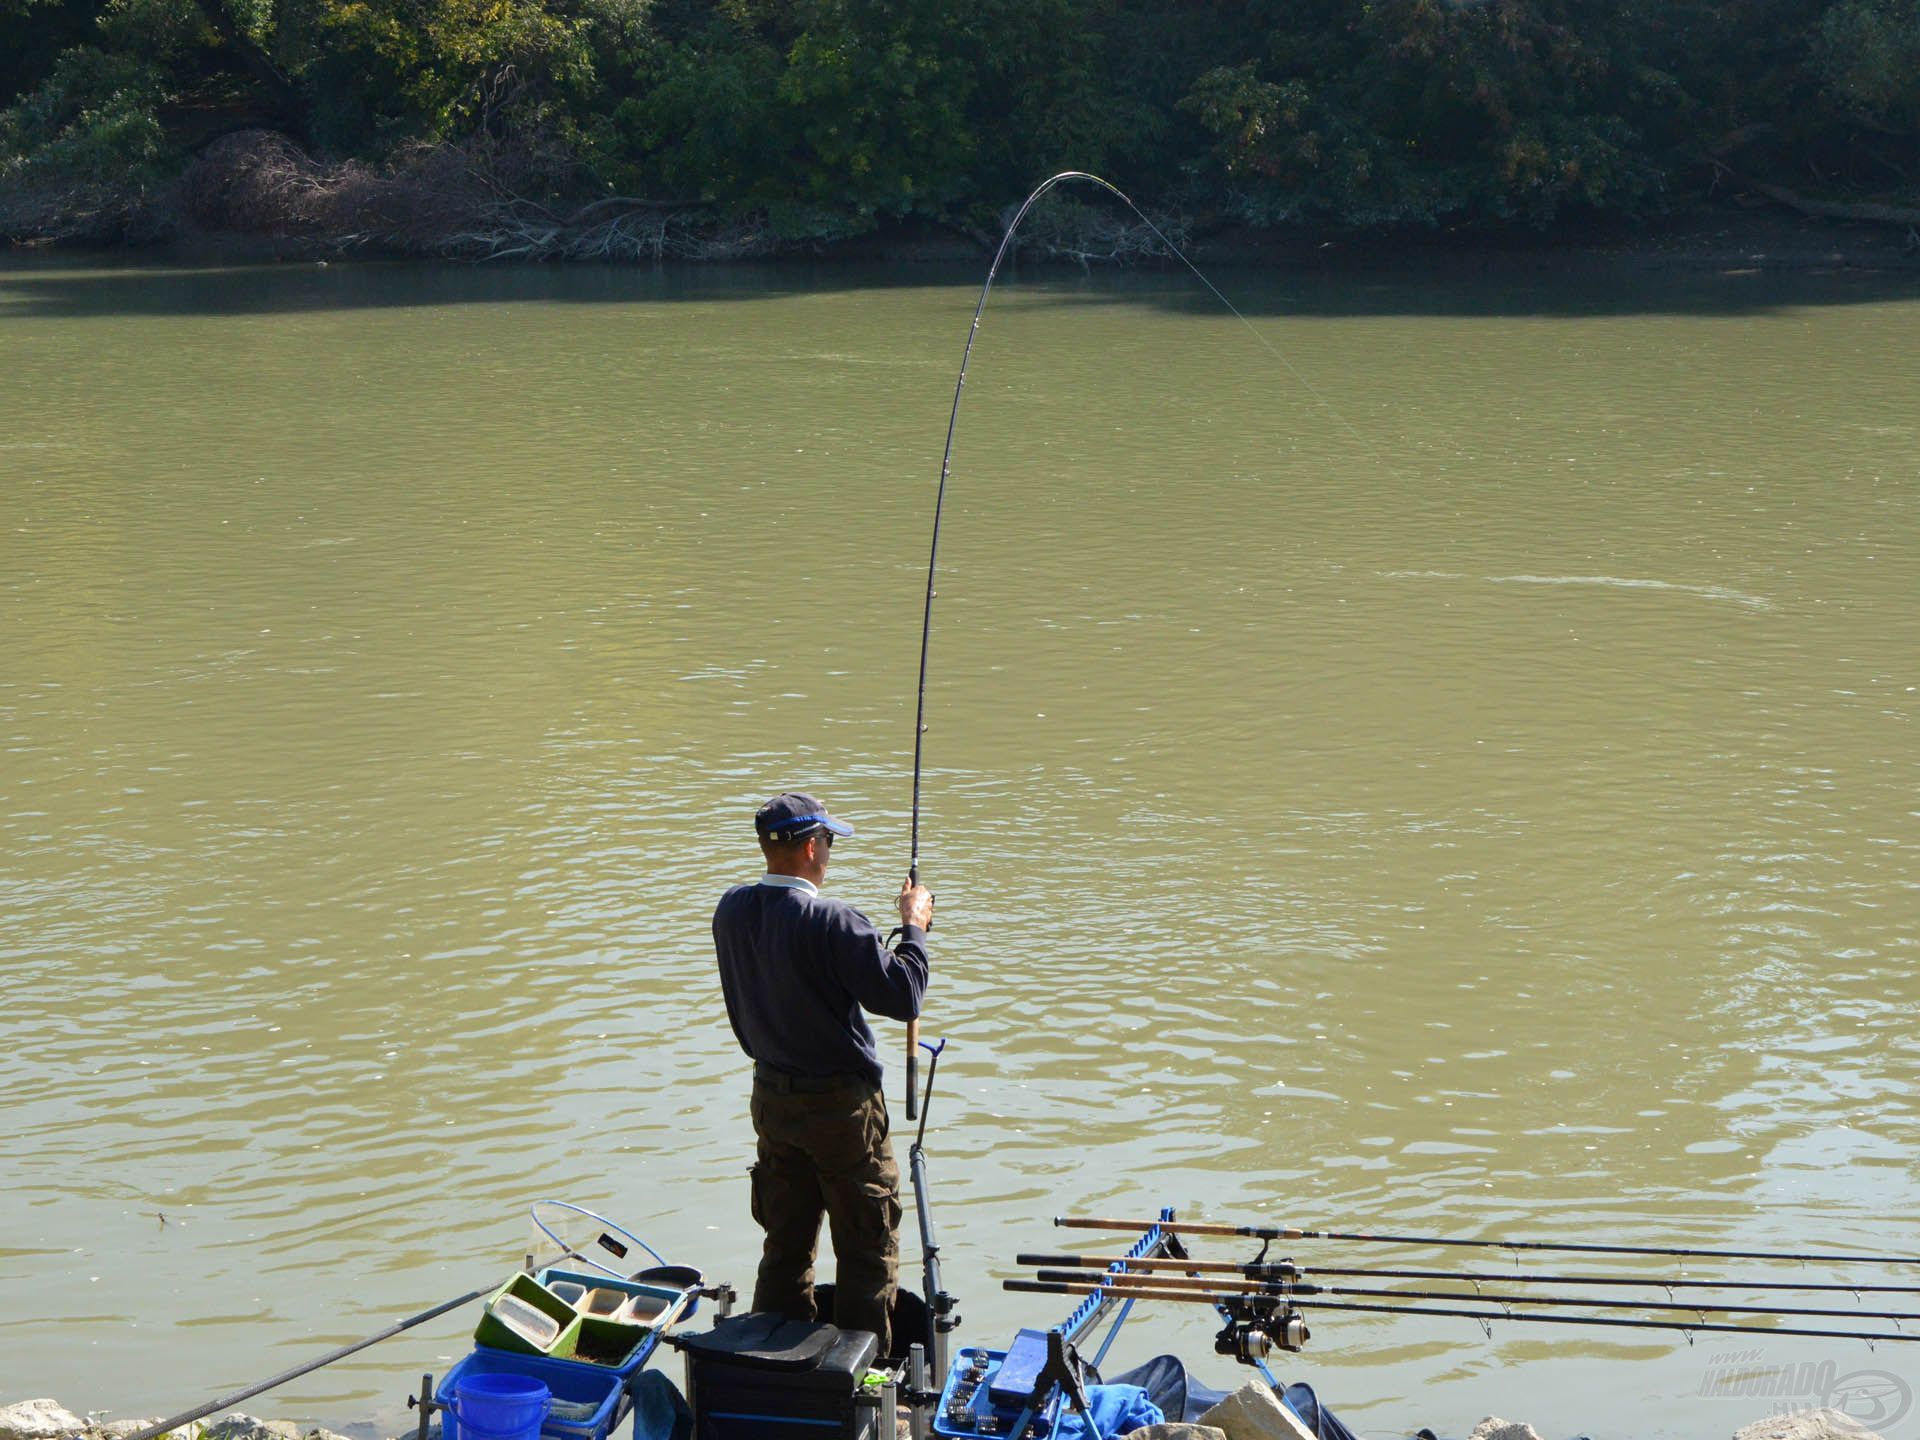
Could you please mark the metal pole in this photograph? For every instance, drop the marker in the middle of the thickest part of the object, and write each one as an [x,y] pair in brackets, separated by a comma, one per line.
[917,1409]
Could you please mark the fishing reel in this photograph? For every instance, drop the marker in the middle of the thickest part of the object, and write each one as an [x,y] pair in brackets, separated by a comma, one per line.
[1257,1325]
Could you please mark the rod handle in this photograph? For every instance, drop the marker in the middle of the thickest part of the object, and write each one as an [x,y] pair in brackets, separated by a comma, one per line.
[913,1069]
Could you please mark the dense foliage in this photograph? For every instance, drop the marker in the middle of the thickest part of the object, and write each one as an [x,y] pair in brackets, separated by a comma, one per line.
[828,118]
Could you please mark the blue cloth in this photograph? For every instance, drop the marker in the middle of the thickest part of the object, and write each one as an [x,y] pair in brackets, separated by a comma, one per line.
[797,968]
[1113,1409]
[1168,1385]
[659,1410]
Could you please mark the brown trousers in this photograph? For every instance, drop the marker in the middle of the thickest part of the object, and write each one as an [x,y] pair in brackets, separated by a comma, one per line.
[827,1153]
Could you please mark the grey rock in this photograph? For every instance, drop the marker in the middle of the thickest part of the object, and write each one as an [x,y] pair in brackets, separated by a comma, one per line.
[1253,1412]
[1175,1430]
[49,1420]
[1494,1428]
[38,1420]
[238,1426]
[1806,1425]
[249,1427]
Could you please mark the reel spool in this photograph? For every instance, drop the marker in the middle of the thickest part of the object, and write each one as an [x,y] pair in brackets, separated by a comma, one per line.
[1255,1331]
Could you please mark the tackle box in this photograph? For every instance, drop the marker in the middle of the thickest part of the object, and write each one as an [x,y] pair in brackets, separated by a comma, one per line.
[985,1394]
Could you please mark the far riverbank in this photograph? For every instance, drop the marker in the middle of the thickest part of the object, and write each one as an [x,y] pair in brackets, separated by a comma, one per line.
[1712,239]
[253,197]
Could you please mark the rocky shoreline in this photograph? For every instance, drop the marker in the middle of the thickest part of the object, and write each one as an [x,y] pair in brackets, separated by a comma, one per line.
[45,1419]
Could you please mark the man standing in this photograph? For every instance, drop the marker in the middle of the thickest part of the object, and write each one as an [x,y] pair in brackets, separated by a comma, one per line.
[796,969]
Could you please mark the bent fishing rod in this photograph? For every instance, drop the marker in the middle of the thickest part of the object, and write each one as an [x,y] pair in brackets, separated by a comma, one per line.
[940,500]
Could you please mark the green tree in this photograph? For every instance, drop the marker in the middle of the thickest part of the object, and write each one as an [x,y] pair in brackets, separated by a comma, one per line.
[1416,111]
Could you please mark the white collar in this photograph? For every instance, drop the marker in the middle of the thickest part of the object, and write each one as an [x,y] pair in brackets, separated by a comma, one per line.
[790,882]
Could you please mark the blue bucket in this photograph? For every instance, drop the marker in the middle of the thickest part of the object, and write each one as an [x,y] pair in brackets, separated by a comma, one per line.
[500,1407]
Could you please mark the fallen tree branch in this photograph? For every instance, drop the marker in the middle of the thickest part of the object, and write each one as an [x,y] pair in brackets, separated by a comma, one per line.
[1838,209]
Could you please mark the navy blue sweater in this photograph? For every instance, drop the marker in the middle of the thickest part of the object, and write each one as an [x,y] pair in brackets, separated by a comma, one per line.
[797,968]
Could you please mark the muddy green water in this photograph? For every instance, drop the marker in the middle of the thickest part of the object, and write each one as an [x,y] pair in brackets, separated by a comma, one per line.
[1460,777]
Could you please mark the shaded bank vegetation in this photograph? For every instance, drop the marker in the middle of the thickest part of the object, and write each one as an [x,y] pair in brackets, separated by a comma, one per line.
[632,128]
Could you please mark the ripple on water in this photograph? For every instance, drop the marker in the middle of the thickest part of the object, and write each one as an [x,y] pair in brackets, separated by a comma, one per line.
[1513,839]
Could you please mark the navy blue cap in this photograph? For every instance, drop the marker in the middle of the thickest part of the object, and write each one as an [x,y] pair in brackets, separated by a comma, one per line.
[794,817]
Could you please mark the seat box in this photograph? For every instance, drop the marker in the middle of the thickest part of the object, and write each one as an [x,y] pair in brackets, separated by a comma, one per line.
[758,1377]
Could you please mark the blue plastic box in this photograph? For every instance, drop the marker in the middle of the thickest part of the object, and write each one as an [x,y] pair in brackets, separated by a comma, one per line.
[602,1391]
[980,1403]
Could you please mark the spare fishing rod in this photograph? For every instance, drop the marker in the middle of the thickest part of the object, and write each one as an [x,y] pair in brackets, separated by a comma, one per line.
[1256,1308]
[1288,1270]
[227,1402]
[1128,1284]
[1273,1232]
[568,1250]
[940,500]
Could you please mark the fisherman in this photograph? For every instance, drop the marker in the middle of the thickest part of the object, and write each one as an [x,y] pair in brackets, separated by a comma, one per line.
[796,969]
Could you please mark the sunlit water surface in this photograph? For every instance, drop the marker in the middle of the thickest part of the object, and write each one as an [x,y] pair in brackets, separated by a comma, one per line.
[1444,761]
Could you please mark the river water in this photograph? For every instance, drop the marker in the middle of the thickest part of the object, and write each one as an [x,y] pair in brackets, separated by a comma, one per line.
[1439,757]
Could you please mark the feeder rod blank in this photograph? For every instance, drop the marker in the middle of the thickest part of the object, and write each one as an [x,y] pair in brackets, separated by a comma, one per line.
[1268,1232]
[933,549]
[1262,1270]
[1127,1284]
[1271,1269]
[1219,1299]
[946,471]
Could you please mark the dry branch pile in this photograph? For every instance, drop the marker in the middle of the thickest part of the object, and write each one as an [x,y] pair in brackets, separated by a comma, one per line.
[468,201]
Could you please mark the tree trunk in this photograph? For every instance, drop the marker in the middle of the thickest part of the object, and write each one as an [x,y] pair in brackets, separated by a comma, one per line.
[288,106]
